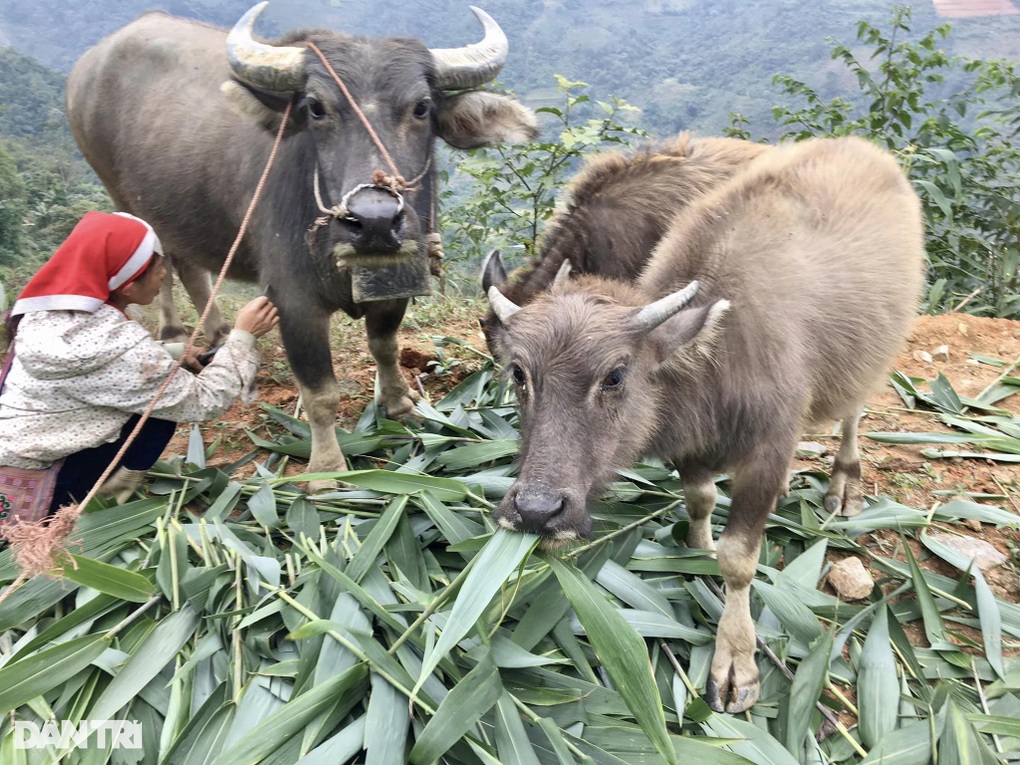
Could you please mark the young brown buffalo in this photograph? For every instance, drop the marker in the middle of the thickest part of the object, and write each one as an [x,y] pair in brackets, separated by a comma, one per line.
[774,301]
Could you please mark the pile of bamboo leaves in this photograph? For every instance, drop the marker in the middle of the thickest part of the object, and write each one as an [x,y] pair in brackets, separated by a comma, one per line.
[387,622]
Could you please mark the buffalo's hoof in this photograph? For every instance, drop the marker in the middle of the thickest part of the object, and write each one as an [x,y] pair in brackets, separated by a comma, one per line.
[847,505]
[731,697]
[400,408]
[173,335]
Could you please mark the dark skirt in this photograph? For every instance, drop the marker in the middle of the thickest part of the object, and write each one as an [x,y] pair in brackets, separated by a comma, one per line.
[81,470]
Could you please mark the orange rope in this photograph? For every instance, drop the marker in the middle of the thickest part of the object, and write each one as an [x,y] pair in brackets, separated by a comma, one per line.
[38,545]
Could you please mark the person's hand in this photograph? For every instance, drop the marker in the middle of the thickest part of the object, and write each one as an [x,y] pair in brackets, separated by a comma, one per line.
[192,363]
[258,317]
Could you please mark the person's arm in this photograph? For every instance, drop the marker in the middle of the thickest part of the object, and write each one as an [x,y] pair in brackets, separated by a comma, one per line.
[131,382]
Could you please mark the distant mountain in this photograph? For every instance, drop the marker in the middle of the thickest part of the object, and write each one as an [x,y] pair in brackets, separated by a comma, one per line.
[686,63]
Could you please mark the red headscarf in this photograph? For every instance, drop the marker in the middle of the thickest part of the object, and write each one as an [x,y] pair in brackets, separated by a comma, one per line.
[104,252]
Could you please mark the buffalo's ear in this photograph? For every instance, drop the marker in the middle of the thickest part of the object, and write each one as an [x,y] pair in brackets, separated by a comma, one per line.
[493,272]
[259,106]
[689,329]
[480,118]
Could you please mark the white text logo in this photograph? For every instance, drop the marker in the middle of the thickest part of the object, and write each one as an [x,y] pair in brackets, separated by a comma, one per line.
[120,734]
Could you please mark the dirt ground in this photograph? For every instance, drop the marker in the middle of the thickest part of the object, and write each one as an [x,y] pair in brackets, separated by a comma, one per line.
[898,471]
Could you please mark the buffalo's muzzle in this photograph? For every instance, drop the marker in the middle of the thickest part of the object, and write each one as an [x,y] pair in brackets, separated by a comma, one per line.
[537,509]
[375,221]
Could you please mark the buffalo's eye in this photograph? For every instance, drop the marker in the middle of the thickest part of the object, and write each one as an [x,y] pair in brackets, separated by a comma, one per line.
[518,375]
[422,109]
[614,379]
[315,108]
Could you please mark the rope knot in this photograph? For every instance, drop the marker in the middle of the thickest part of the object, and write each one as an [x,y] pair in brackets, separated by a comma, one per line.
[395,183]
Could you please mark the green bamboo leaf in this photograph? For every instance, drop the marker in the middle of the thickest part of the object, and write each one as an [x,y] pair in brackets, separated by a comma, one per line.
[950,454]
[920,438]
[909,745]
[463,706]
[991,622]
[878,690]
[963,508]
[501,556]
[303,518]
[224,503]
[360,593]
[291,719]
[373,544]
[622,651]
[960,743]
[751,742]
[804,692]
[340,748]
[945,397]
[556,740]
[335,657]
[391,482]
[512,742]
[934,627]
[652,624]
[263,506]
[633,590]
[260,700]
[473,455]
[806,568]
[996,724]
[24,680]
[455,527]
[314,628]
[386,725]
[202,737]
[904,386]
[791,612]
[196,449]
[108,579]
[883,514]
[96,607]
[146,661]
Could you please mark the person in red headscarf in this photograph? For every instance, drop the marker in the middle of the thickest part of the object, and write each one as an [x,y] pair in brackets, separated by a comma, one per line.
[79,371]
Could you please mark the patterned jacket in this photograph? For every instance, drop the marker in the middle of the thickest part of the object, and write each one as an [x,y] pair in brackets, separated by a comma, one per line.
[77,377]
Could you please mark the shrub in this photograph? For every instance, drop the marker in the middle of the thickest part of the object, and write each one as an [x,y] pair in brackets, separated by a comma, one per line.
[953,123]
[501,197]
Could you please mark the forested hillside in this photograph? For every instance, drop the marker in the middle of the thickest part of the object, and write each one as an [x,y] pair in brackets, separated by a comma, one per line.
[686,63]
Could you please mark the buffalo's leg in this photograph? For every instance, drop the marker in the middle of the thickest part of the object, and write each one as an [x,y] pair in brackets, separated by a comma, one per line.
[845,495]
[382,318]
[198,283]
[699,495]
[171,328]
[733,680]
[305,334]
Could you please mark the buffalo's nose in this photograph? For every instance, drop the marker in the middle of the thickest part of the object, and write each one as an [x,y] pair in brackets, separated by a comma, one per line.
[537,508]
[374,220]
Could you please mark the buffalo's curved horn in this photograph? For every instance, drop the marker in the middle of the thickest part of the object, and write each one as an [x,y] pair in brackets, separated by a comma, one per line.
[262,66]
[563,275]
[493,272]
[475,64]
[653,314]
[502,306]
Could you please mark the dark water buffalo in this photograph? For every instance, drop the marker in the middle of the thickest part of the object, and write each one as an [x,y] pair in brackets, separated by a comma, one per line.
[773,302]
[618,207]
[178,119]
